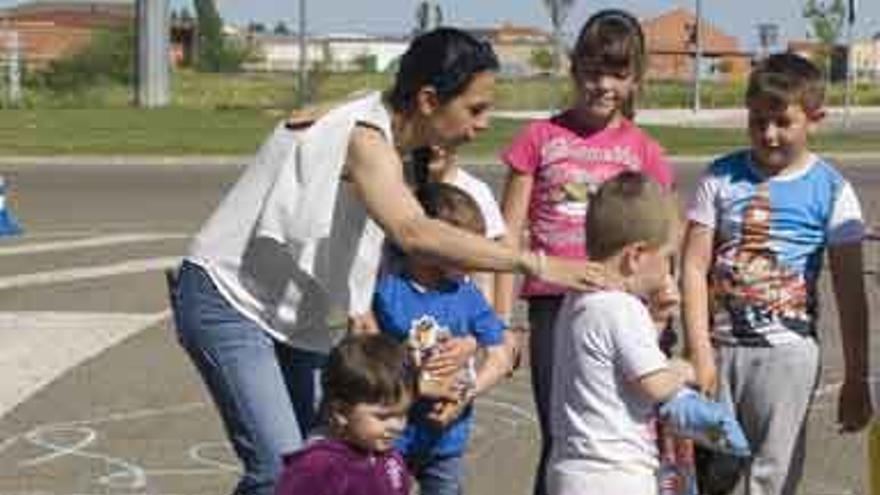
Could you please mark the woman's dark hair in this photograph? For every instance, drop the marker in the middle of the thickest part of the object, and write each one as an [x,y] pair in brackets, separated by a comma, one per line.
[446,59]
[371,369]
[611,40]
[420,159]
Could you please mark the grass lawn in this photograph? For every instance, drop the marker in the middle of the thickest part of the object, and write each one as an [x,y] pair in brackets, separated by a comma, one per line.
[193,131]
[192,89]
[170,131]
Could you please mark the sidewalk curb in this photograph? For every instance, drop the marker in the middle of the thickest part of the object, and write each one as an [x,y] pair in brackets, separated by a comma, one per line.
[125,160]
[240,160]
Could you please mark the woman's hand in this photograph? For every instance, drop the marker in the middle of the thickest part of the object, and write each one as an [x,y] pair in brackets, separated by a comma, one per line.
[574,274]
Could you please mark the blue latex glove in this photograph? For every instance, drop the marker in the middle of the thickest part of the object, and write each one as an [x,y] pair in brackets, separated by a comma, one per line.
[688,414]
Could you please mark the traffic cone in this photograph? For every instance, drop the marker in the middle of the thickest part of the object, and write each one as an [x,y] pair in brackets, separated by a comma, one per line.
[8,224]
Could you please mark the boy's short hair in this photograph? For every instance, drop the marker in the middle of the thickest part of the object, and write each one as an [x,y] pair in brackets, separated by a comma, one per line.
[371,369]
[626,209]
[786,79]
[452,205]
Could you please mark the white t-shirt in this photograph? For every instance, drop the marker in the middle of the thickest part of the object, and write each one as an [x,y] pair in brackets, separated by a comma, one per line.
[482,194]
[599,422]
[291,245]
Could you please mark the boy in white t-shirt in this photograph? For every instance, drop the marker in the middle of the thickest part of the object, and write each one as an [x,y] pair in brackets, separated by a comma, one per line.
[610,375]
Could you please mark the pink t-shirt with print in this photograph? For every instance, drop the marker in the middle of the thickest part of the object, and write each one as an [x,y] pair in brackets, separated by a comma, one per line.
[567,165]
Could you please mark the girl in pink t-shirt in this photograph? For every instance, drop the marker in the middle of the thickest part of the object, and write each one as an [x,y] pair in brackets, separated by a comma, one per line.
[556,163]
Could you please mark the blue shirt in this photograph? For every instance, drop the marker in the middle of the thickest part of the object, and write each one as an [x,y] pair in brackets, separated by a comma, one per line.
[457,305]
[770,236]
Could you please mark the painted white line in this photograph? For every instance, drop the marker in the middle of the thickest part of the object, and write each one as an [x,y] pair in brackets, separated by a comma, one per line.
[100,241]
[130,415]
[38,347]
[77,274]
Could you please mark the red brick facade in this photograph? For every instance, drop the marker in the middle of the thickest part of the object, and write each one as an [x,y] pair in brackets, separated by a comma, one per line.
[49,30]
[671,50]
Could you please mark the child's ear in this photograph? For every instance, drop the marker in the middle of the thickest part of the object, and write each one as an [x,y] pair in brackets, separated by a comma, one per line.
[814,118]
[632,257]
[337,414]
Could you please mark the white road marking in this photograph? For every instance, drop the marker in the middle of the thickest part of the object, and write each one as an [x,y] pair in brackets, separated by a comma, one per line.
[87,273]
[61,340]
[90,242]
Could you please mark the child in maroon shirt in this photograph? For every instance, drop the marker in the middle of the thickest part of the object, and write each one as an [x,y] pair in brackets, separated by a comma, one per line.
[368,387]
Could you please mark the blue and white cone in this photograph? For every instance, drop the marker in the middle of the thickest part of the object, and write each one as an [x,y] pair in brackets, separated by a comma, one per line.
[8,224]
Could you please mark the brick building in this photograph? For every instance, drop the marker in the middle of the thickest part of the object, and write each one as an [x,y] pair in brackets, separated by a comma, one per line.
[515,46]
[49,29]
[670,44]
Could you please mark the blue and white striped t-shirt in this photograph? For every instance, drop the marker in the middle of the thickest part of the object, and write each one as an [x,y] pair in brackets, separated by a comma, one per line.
[770,236]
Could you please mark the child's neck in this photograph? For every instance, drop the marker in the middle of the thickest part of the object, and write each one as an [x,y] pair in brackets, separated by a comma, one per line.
[425,275]
[445,175]
[587,123]
[800,162]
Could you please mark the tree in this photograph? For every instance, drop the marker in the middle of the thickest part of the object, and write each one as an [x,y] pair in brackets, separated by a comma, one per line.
[185,14]
[826,23]
[216,53]
[558,10]
[281,29]
[210,35]
[254,27]
[366,62]
[108,58]
[542,59]
[429,15]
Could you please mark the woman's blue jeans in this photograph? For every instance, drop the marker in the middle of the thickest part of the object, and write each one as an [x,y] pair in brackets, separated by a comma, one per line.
[266,392]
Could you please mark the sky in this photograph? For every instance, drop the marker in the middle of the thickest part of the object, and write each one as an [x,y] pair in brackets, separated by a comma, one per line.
[736,17]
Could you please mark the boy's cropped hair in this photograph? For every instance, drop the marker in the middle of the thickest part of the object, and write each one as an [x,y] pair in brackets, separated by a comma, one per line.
[372,369]
[452,205]
[787,78]
[627,209]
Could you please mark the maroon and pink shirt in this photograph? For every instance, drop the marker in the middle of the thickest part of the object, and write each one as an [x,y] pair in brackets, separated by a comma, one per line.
[333,467]
[568,165]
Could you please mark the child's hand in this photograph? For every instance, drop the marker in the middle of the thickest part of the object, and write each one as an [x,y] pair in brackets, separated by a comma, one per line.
[363,324]
[444,412]
[515,338]
[439,388]
[690,415]
[684,369]
[854,406]
[451,355]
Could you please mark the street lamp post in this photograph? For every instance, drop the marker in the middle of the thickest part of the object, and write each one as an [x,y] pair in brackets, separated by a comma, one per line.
[850,73]
[698,56]
[302,77]
[152,53]
[14,67]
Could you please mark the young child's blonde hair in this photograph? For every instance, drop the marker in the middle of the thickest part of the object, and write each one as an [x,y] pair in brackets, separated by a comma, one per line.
[627,209]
